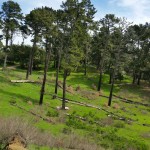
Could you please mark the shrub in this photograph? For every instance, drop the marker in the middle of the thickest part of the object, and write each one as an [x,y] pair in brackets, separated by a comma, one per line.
[67,130]
[53,113]
[12,102]
[119,124]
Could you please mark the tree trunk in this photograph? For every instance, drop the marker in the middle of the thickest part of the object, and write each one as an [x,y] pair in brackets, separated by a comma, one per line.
[100,80]
[57,73]
[98,64]
[85,60]
[111,90]
[85,66]
[5,62]
[110,77]
[54,63]
[139,78]
[64,90]
[108,69]
[47,57]
[11,39]
[134,78]
[29,63]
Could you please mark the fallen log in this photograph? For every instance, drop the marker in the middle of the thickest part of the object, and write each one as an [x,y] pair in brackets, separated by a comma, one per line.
[99,108]
[109,113]
[127,100]
[21,81]
[130,101]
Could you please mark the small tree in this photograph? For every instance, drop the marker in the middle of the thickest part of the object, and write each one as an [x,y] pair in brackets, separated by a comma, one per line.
[71,28]
[118,41]
[34,22]
[47,26]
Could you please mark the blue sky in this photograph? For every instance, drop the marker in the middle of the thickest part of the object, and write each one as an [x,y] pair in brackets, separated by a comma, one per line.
[136,11]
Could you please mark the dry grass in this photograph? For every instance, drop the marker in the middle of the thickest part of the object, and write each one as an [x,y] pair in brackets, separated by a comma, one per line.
[91,95]
[94,87]
[116,106]
[32,135]
[11,126]
[70,89]
[107,121]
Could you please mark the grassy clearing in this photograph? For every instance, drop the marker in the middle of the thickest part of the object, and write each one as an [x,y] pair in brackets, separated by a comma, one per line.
[111,133]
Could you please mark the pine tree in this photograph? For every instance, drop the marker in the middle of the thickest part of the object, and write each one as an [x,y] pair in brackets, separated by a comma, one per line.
[10,21]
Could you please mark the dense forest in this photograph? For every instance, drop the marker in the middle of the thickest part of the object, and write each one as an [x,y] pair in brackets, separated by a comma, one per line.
[69,40]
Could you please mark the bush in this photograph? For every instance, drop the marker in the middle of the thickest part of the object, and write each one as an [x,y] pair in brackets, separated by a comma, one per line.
[53,113]
[119,124]
[67,130]
[77,123]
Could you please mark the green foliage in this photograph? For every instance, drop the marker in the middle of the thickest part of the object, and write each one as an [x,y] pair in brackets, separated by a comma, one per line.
[67,130]
[52,113]
[75,122]
[11,16]
[22,51]
[12,102]
[119,124]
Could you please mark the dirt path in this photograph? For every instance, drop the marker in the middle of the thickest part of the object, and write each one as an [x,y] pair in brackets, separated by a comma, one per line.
[10,67]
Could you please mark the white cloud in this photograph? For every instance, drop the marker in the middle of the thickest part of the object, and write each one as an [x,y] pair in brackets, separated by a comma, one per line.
[140,9]
[31,4]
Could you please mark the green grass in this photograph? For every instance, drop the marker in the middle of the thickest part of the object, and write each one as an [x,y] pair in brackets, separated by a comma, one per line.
[22,93]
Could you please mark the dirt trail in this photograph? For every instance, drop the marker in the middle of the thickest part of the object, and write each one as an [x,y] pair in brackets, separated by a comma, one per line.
[10,67]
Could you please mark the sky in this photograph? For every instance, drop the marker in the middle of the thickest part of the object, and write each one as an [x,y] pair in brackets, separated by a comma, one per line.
[136,11]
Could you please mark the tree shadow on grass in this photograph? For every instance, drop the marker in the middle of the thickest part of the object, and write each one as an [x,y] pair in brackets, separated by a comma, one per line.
[19,96]
[76,79]
[139,91]
[88,81]
[6,81]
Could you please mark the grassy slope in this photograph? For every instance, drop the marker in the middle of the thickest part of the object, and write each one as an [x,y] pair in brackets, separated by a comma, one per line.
[22,93]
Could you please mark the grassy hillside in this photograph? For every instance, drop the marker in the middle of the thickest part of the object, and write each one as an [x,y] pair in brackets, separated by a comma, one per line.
[122,126]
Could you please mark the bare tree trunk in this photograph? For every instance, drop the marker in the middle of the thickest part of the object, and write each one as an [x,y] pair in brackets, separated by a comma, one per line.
[110,77]
[85,66]
[5,60]
[57,73]
[29,63]
[98,64]
[139,78]
[64,90]
[134,78]
[54,63]
[108,69]
[85,60]
[112,87]
[100,80]
[11,39]
[47,58]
